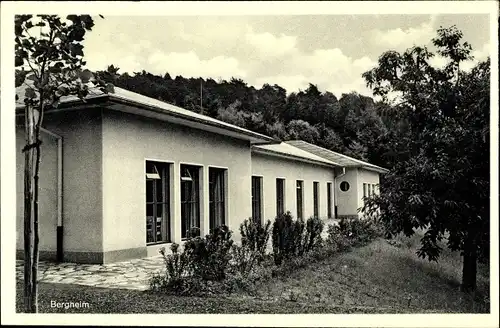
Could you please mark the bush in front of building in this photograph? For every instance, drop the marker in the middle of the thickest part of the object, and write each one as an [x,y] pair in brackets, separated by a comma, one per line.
[202,262]
[337,240]
[255,236]
[208,258]
[352,232]
[216,265]
[292,238]
[176,270]
[314,229]
[252,251]
[283,237]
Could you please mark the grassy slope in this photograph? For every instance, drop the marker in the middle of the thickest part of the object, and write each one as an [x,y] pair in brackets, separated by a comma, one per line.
[388,278]
[378,278]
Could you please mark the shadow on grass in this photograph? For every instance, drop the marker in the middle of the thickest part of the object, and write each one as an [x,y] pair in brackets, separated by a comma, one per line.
[376,278]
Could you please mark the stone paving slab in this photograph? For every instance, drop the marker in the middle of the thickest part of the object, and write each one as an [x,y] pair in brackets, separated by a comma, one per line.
[133,274]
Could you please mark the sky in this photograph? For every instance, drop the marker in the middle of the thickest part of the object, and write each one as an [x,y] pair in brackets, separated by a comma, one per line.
[330,51]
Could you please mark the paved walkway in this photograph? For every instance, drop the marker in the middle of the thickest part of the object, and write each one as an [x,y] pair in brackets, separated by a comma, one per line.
[133,274]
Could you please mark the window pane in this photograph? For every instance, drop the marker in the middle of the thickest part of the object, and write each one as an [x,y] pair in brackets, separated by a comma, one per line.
[157,209]
[315,196]
[216,194]
[149,210]
[279,197]
[150,236]
[190,199]
[329,199]
[300,191]
[344,186]
[159,190]
[149,190]
[256,209]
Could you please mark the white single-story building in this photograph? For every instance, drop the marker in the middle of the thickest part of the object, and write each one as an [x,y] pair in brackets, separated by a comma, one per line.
[123,175]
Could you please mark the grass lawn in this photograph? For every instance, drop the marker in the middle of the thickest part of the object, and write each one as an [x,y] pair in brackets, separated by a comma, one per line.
[377,278]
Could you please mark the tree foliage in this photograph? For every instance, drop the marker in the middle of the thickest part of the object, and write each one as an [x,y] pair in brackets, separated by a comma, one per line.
[440,181]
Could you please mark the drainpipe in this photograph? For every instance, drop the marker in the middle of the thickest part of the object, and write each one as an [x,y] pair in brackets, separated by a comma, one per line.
[59,229]
[334,185]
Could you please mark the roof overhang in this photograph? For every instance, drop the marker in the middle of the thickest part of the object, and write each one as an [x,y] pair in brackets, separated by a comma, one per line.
[112,102]
[327,154]
[373,168]
[289,157]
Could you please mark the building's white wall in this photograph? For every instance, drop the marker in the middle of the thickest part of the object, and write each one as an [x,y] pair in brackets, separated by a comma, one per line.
[370,177]
[347,201]
[82,201]
[129,140]
[271,167]
[47,192]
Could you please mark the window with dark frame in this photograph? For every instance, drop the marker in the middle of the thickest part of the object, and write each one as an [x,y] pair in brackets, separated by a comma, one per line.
[256,199]
[300,199]
[329,199]
[157,202]
[217,203]
[190,199]
[365,189]
[344,186]
[369,190]
[316,198]
[280,196]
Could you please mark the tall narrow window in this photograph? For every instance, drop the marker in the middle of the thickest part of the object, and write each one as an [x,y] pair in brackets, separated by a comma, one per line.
[373,189]
[316,198]
[369,190]
[216,186]
[190,199]
[329,199]
[256,199]
[365,190]
[157,203]
[280,196]
[300,197]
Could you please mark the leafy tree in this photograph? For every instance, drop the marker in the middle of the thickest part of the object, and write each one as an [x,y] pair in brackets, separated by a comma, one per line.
[231,114]
[441,184]
[328,138]
[49,53]
[277,130]
[298,129]
[357,150]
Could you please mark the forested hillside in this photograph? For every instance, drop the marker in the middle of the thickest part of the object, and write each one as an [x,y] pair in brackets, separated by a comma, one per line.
[351,125]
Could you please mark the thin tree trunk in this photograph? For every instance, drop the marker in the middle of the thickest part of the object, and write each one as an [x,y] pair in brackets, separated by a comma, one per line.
[35,226]
[469,269]
[28,212]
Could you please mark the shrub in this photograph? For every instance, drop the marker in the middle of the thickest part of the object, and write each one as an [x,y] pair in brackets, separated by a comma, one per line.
[176,263]
[176,270]
[209,257]
[255,237]
[314,228]
[295,238]
[336,239]
[193,232]
[283,237]
[353,231]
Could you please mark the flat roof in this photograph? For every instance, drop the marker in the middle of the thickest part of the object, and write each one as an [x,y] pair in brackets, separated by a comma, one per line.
[341,159]
[286,150]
